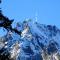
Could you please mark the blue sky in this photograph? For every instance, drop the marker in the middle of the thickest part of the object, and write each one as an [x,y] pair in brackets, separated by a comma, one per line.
[48,11]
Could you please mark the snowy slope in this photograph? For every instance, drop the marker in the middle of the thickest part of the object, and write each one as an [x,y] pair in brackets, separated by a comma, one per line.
[37,42]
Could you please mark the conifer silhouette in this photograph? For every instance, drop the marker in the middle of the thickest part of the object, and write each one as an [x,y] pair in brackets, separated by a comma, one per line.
[5,22]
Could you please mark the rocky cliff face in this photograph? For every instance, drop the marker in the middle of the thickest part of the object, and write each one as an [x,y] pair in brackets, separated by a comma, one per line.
[37,42]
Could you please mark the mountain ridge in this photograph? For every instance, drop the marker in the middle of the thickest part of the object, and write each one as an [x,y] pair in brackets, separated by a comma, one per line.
[37,41]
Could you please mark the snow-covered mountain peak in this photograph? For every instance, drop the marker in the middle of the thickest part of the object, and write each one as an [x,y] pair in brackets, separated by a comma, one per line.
[37,42]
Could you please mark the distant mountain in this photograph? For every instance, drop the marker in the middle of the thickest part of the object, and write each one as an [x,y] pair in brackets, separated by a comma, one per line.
[36,42]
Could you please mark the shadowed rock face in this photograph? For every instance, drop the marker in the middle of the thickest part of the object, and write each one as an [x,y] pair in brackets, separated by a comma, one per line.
[52,47]
[4,55]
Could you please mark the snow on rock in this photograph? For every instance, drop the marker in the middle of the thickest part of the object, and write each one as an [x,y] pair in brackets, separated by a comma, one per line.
[37,42]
